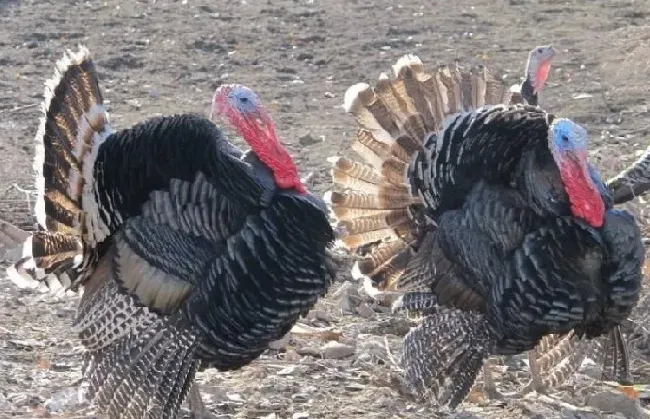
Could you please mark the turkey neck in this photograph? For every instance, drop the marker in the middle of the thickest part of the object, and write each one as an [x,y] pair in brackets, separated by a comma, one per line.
[528,92]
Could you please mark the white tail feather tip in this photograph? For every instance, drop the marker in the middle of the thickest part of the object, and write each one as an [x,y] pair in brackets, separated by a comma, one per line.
[406,61]
[327,197]
[22,279]
[352,94]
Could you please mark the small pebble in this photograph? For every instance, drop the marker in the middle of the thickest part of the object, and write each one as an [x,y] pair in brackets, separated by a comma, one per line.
[308,140]
[336,350]
[286,371]
[300,398]
[354,387]
[614,401]
[365,311]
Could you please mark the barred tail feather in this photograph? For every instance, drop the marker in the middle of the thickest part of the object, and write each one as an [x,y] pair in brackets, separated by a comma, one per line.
[48,261]
[549,342]
[560,373]
[444,354]
[384,264]
[561,356]
[553,349]
[74,122]
[73,113]
[371,200]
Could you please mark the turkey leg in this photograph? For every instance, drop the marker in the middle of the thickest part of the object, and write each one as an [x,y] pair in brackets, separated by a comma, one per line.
[535,374]
[489,387]
[195,404]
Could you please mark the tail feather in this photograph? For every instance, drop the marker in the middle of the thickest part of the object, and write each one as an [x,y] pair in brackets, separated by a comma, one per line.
[371,198]
[356,176]
[366,229]
[74,121]
[48,259]
[633,181]
[552,354]
[444,354]
[385,263]
[558,374]
[548,342]
[386,199]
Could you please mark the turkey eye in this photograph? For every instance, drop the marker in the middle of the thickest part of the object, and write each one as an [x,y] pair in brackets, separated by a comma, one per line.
[539,50]
[565,138]
[244,100]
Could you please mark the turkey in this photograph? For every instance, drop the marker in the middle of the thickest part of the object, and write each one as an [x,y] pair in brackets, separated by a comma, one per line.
[489,219]
[190,253]
[536,72]
[614,353]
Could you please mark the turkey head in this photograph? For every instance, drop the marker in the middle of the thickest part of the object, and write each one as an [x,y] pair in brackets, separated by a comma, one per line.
[568,143]
[243,110]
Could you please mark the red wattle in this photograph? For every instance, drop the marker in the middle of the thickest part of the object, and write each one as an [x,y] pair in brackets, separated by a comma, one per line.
[261,137]
[542,74]
[584,197]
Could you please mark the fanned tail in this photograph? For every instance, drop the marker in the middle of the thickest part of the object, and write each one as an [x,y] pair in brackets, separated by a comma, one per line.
[375,210]
[444,354]
[74,121]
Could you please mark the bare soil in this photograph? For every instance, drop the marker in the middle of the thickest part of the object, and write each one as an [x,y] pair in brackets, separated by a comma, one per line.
[163,56]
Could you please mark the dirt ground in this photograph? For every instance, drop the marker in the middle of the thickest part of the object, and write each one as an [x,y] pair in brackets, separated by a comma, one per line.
[161,56]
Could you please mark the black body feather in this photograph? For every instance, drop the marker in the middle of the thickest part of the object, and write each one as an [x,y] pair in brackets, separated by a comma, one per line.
[489,244]
[188,254]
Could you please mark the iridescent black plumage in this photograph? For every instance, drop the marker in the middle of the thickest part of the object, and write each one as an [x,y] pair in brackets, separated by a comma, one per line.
[476,220]
[186,251]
